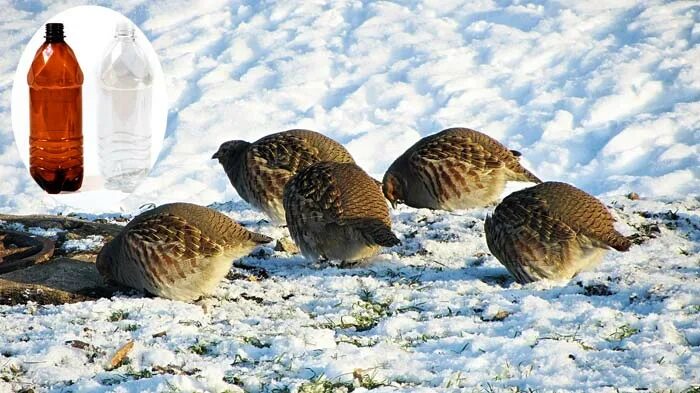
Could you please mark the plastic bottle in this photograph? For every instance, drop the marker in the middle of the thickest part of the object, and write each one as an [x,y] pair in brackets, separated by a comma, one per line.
[55,115]
[124,122]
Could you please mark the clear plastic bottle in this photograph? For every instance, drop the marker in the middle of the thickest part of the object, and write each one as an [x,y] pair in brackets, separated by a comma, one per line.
[55,115]
[124,117]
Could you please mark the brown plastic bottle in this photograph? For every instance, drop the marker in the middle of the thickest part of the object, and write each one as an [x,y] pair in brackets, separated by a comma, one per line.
[55,115]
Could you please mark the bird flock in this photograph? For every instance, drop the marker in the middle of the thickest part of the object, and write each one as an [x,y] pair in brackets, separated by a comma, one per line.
[335,211]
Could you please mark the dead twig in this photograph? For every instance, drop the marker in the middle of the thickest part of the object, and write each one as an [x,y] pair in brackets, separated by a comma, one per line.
[120,355]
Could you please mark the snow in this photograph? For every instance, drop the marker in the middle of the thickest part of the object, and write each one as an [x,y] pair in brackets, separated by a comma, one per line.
[91,242]
[436,312]
[600,95]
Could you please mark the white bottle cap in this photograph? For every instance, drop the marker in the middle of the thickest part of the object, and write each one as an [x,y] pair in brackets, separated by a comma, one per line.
[124,29]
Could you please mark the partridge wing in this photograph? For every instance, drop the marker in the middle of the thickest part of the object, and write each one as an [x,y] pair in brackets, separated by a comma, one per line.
[272,162]
[527,238]
[327,148]
[582,212]
[313,197]
[362,205]
[453,165]
[167,246]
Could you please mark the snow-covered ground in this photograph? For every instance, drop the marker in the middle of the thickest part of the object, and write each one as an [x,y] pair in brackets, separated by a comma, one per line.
[603,95]
[436,313]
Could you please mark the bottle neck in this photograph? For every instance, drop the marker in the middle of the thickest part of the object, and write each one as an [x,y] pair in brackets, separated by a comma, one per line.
[125,38]
[55,40]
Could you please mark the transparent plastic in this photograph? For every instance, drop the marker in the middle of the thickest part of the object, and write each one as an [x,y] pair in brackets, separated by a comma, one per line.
[55,115]
[124,117]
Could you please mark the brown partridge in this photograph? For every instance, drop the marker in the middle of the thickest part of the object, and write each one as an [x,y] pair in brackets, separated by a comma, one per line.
[551,231]
[178,251]
[259,170]
[336,211]
[457,168]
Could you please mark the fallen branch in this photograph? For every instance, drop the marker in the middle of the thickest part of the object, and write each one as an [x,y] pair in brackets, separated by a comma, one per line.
[12,293]
[63,222]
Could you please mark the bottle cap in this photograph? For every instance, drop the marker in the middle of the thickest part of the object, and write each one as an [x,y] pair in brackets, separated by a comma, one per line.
[54,32]
[124,29]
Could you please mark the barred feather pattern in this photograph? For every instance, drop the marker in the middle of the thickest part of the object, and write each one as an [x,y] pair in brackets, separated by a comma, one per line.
[551,231]
[261,170]
[336,211]
[457,168]
[178,251]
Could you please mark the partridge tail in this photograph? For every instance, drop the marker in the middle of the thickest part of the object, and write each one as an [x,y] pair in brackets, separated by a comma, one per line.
[524,175]
[260,238]
[618,242]
[378,233]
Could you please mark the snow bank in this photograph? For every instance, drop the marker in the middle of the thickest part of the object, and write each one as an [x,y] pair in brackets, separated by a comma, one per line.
[604,97]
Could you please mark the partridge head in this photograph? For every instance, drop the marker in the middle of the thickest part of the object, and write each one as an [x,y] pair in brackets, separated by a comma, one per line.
[260,170]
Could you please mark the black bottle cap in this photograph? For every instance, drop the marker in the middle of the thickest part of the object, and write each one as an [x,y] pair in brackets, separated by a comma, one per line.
[54,32]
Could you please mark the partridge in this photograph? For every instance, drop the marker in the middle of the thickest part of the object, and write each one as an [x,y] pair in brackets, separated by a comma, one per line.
[457,168]
[336,211]
[551,231]
[259,170]
[177,251]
